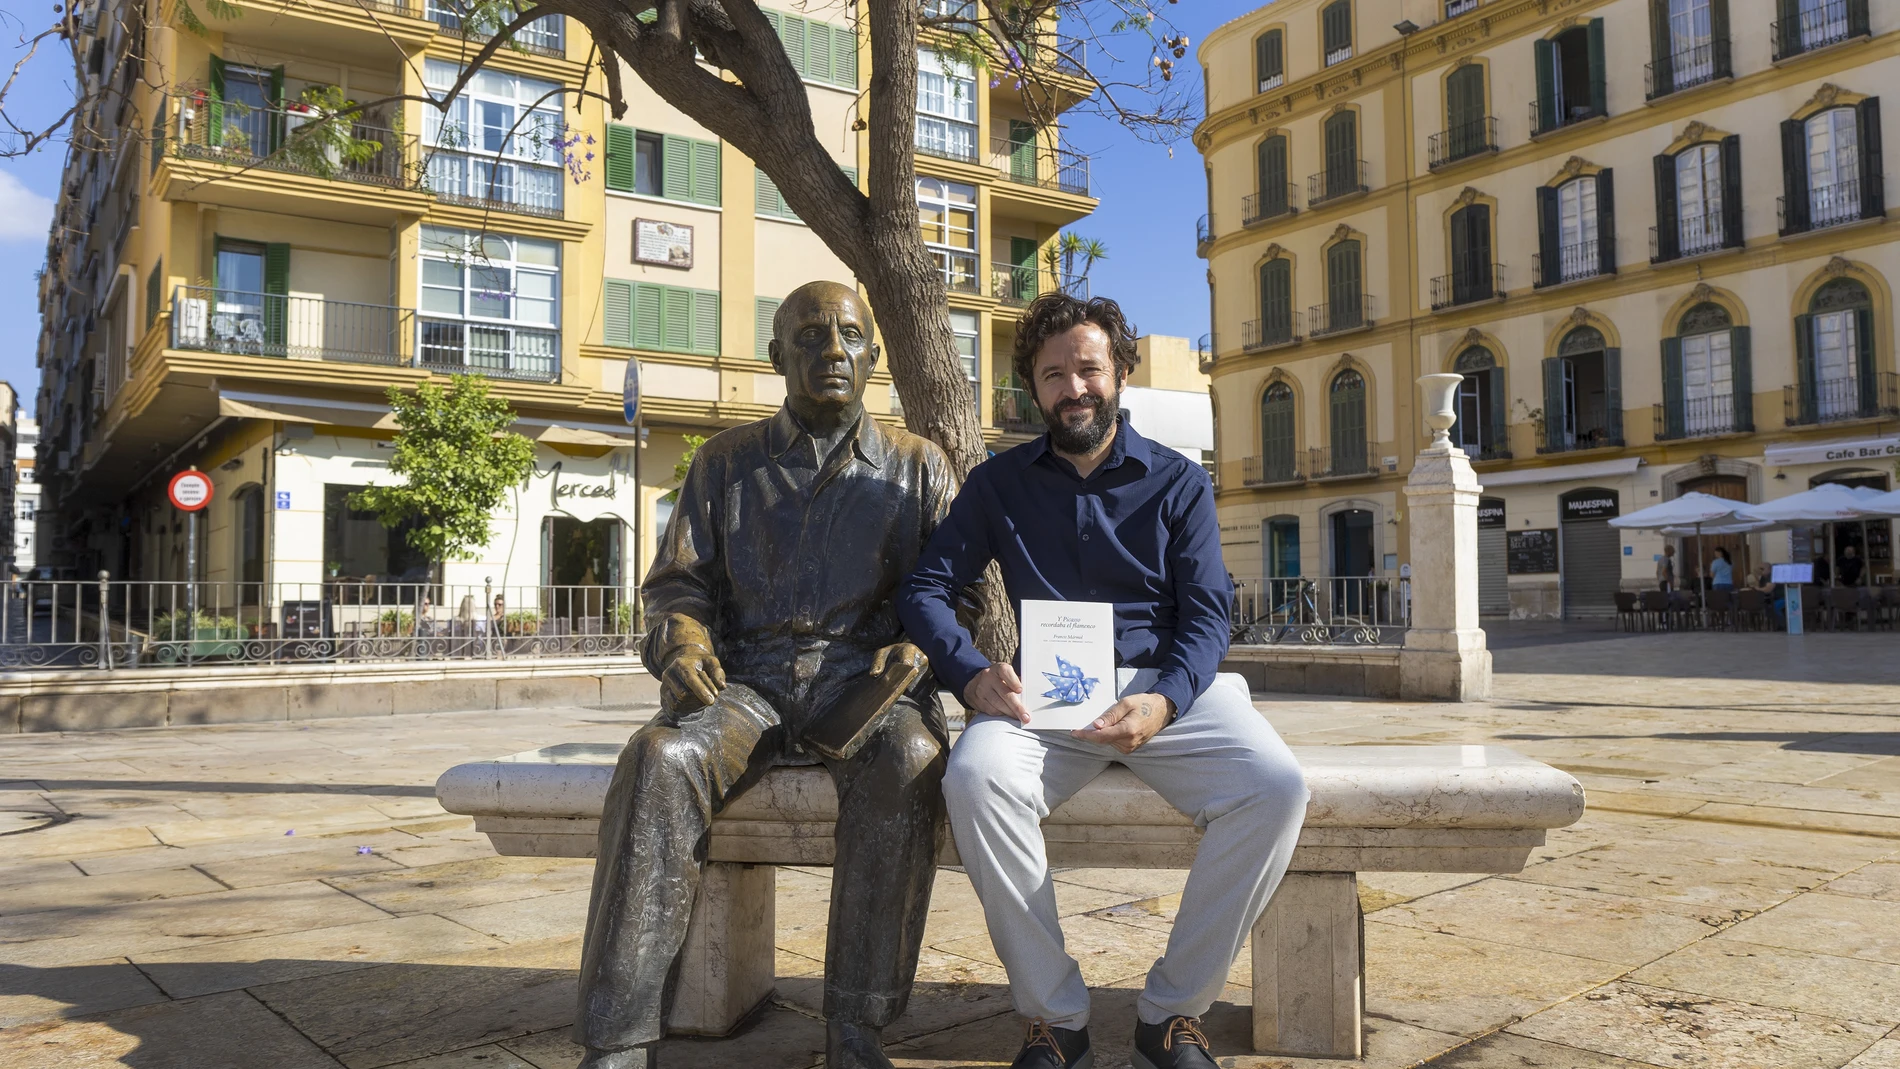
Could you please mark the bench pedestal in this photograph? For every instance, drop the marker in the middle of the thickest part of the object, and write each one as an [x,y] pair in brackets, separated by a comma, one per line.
[726,966]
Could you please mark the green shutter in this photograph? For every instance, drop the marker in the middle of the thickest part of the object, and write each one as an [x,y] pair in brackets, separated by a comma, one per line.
[1554,404]
[676,168]
[1613,393]
[214,105]
[793,34]
[1668,236]
[1599,89]
[1673,416]
[766,199]
[617,318]
[705,176]
[763,309]
[844,55]
[154,292]
[1864,361]
[620,157]
[275,123]
[1022,151]
[676,319]
[705,322]
[851,173]
[1550,268]
[1741,369]
[646,316]
[1662,60]
[1464,110]
[1788,28]
[1804,371]
[276,292]
[1873,193]
[1546,56]
[1500,410]
[1719,34]
[1276,439]
[1606,221]
[818,51]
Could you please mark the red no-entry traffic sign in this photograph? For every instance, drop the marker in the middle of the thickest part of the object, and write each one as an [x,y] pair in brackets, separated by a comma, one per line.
[190,490]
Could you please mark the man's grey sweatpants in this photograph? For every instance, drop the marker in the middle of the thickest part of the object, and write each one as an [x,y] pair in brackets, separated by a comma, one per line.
[1220,763]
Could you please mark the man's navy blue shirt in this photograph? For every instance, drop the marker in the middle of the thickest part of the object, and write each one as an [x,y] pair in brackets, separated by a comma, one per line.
[1140,532]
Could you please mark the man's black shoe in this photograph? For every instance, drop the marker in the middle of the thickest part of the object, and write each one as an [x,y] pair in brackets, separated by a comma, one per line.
[1049,1047]
[1176,1043]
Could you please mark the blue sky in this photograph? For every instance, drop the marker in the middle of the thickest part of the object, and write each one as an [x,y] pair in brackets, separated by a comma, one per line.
[1150,199]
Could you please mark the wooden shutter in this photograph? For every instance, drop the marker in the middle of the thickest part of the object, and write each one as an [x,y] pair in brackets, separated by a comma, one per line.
[1550,236]
[1661,59]
[1464,111]
[214,105]
[1276,300]
[1599,89]
[763,309]
[1864,360]
[1269,57]
[705,173]
[1788,27]
[1274,180]
[1722,65]
[1808,386]
[617,314]
[1873,193]
[793,34]
[1857,21]
[1613,394]
[1342,284]
[1022,151]
[1023,283]
[620,157]
[1606,222]
[766,199]
[1672,387]
[1545,52]
[1553,403]
[1349,429]
[1794,176]
[154,292]
[1276,439]
[1668,233]
[647,314]
[1342,153]
[1732,235]
[844,55]
[705,326]
[1742,378]
[1337,26]
[676,168]
[1500,439]
[676,319]
[818,51]
[276,291]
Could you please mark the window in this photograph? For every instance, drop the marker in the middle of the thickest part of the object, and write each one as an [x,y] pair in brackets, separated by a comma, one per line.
[1706,382]
[1689,44]
[1347,402]
[946,106]
[1269,60]
[1480,427]
[1344,173]
[154,291]
[1283,550]
[1699,200]
[1466,130]
[1276,193]
[1570,77]
[964,326]
[1834,355]
[249,307]
[1832,171]
[1345,297]
[665,319]
[1577,229]
[1472,273]
[1336,29]
[244,113]
[357,547]
[1806,25]
[490,302]
[946,215]
[1277,457]
[1583,393]
[769,201]
[499,141]
[662,165]
[819,51]
[249,565]
[542,36]
[1276,303]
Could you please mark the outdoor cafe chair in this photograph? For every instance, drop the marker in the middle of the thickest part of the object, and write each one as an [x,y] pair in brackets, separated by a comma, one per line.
[1841,602]
[1655,608]
[1721,608]
[1751,607]
[1890,605]
[1627,612]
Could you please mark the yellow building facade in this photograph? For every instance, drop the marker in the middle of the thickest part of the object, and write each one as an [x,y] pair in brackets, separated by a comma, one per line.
[1652,234]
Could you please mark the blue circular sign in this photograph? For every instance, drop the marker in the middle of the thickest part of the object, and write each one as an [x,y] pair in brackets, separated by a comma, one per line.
[630,393]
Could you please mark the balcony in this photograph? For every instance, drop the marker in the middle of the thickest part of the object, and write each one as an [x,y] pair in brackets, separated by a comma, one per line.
[1015,286]
[294,140]
[1348,461]
[1567,115]
[1462,142]
[1455,8]
[946,140]
[497,350]
[1014,411]
[958,270]
[1339,316]
[1591,425]
[1823,207]
[1030,163]
[1203,234]
[1837,400]
[1259,207]
[1698,65]
[1694,237]
[1831,22]
[1336,182]
[1480,281]
[1574,264]
[1281,328]
[1271,471]
[542,37]
[1061,52]
[499,184]
[1205,352]
[1698,417]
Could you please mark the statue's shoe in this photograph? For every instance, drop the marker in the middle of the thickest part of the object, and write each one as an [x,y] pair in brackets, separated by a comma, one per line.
[854,1046]
[631,1058]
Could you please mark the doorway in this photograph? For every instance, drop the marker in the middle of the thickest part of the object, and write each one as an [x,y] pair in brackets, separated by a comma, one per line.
[1692,568]
[1591,552]
[580,571]
[1352,559]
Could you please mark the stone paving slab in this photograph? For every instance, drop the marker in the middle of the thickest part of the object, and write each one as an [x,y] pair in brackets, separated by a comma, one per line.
[289,894]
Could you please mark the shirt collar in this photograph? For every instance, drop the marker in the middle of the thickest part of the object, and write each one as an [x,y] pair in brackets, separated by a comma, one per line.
[869,440]
[1128,445]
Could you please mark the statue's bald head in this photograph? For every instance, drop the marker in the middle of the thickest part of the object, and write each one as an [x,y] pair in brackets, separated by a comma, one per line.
[801,303]
[821,343]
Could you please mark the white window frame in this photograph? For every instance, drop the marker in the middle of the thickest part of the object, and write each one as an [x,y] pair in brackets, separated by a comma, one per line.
[1708,373]
[1699,187]
[1692,32]
[1577,229]
[946,104]
[1833,145]
[474,256]
[968,329]
[1837,359]
[526,169]
[1822,22]
[935,193]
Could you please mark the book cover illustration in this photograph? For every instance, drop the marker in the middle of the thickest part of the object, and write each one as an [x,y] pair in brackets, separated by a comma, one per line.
[1068,662]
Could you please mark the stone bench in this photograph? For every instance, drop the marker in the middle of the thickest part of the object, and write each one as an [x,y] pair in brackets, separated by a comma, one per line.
[1477,809]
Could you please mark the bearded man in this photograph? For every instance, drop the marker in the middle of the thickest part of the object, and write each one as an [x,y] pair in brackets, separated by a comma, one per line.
[1093,511]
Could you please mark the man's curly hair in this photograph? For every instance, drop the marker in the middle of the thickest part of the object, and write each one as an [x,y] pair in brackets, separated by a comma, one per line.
[1053,313]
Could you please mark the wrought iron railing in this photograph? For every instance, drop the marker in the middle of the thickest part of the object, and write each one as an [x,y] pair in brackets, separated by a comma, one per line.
[1697,417]
[1032,163]
[1834,400]
[1574,263]
[1269,204]
[1693,66]
[543,36]
[1594,426]
[1455,8]
[208,319]
[1321,611]
[1343,460]
[958,270]
[1012,409]
[1280,326]
[1205,352]
[296,139]
[498,350]
[107,623]
[1063,52]
[1477,280]
[1825,206]
[1693,237]
[1015,285]
[1462,142]
[1817,26]
[1339,315]
[1269,470]
[946,141]
[1203,232]
[1334,182]
[487,182]
[1565,114]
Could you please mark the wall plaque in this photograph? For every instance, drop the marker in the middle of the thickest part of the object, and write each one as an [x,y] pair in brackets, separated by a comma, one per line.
[662,244]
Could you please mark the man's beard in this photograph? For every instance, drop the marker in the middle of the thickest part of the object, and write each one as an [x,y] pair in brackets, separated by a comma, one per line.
[1087,437]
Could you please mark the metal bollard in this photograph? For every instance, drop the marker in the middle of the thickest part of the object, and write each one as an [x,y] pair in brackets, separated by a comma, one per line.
[105,622]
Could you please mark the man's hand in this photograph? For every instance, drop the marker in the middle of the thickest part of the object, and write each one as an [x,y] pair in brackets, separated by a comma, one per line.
[1129,722]
[998,692]
[897,653]
[694,673]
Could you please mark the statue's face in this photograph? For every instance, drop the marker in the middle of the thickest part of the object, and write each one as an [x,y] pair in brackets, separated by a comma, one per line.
[823,346]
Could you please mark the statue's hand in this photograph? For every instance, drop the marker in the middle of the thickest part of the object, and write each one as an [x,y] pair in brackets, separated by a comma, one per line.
[895,654]
[695,673]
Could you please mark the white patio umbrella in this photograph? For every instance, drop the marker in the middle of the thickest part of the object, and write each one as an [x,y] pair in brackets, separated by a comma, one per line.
[1829,503]
[1881,506]
[1692,513]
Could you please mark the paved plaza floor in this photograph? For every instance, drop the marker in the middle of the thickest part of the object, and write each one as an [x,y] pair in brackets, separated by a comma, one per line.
[290,896]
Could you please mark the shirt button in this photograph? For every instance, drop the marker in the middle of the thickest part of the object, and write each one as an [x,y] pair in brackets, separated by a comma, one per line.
[1091,591]
[1085,538]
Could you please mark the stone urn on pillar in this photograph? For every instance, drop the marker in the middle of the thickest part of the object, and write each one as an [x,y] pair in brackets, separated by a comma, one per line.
[1444,656]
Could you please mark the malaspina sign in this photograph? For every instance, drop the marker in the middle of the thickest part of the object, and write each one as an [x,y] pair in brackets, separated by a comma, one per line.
[1590,505]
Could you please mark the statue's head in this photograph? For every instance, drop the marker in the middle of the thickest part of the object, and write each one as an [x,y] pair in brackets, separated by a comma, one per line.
[821,343]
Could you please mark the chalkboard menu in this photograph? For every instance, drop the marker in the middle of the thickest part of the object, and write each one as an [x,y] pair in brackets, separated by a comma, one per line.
[304,619]
[1531,552]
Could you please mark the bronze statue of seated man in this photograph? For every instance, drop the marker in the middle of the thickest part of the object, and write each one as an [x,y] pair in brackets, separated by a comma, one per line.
[769,606]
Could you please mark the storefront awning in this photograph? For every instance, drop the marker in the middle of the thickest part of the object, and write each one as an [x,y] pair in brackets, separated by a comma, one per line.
[248,405]
[1562,473]
[1878,451]
[570,432]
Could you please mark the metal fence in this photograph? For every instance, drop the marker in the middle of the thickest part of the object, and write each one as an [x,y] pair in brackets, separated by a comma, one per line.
[296,138]
[1321,611]
[108,623]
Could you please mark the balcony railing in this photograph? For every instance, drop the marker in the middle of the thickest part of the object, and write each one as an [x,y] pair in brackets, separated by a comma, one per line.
[1697,417]
[1015,286]
[1693,238]
[946,141]
[1574,263]
[1479,281]
[1336,182]
[1820,25]
[1031,163]
[1353,611]
[1592,426]
[207,319]
[1831,205]
[958,270]
[1205,352]
[1463,141]
[1279,328]
[497,350]
[291,140]
[541,37]
[1697,65]
[1339,316]
[1203,233]
[1013,410]
[1269,470]
[1455,8]
[1567,115]
[1343,461]
[486,182]
[1058,51]
[1259,207]
[1834,400]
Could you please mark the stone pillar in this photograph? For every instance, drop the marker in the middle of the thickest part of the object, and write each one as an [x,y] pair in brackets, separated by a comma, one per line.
[1444,656]
[1309,989]
[726,966]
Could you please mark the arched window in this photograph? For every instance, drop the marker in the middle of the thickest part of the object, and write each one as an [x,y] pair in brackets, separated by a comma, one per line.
[1583,393]
[1472,277]
[1277,435]
[1275,195]
[1347,405]
[1269,60]
[1699,200]
[1834,355]
[1336,31]
[1831,168]
[1345,291]
[1689,44]
[1276,304]
[1343,174]
[1466,131]
[1571,81]
[1833,145]
[1706,380]
[1480,427]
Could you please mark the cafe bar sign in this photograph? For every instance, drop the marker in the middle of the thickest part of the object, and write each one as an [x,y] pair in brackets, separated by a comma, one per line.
[1880,451]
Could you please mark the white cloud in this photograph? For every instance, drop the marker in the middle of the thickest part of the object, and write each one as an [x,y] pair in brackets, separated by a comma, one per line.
[24,214]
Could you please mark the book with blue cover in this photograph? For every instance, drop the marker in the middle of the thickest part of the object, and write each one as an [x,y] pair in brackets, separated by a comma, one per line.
[1068,662]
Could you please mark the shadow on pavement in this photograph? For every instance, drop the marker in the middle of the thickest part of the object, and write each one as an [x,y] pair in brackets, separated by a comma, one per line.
[1872,743]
